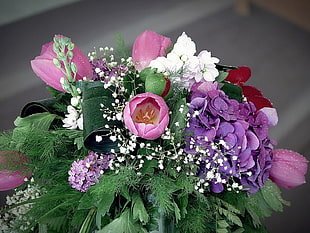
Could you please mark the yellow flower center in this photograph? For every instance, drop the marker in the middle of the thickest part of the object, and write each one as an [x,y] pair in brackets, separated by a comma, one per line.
[146,112]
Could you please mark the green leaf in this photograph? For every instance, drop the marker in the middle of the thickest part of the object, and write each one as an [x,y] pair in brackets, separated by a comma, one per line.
[103,206]
[94,124]
[26,125]
[239,230]
[272,195]
[88,221]
[221,230]
[121,49]
[79,142]
[138,209]
[183,202]
[222,76]
[233,91]
[177,212]
[123,224]
[178,119]
[230,216]
[146,72]
[222,224]
[125,192]
[148,166]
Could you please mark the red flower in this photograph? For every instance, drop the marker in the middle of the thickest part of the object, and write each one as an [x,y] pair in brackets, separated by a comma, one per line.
[239,77]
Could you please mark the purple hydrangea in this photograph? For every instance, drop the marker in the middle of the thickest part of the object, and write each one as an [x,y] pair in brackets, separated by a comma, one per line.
[86,172]
[229,140]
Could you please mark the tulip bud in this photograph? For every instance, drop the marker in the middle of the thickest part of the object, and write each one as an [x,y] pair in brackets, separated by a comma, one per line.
[9,178]
[289,168]
[48,65]
[158,84]
[147,47]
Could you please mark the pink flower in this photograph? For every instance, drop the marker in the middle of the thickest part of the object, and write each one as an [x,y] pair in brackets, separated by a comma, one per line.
[289,168]
[146,115]
[148,46]
[45,69]
[11,179]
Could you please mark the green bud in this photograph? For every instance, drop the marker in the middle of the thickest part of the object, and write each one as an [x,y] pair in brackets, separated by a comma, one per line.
[70,54]
[70,46]
[56,39]
[157,84]
[64,41]
[73,67]
[57,63]
[61,56]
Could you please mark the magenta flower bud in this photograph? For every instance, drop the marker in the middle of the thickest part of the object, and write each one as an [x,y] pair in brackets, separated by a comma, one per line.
[146,115]
[289,168]
[44,67]
[11,179]
[148,46]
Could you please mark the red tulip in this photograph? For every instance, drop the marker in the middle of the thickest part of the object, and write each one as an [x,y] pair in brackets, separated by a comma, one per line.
[148,46]
[9,178]
[44,67]
[289,168]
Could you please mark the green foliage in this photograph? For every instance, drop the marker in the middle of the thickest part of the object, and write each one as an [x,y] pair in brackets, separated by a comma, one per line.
[222,76]
[178,118]
[121,49]
[138,210]
[123,224]
[262,203]
[198,217]
[233,91]
[163,188]
[25,126]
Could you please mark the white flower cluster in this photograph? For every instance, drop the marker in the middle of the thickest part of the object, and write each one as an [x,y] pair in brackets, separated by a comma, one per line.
[74,118]
[10,218]
[183,67]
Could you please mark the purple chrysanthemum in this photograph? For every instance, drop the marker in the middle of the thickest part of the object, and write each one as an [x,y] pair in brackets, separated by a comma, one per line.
[85,173]
[229,140]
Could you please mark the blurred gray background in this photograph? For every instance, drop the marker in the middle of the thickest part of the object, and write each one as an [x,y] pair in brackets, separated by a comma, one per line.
[270,36]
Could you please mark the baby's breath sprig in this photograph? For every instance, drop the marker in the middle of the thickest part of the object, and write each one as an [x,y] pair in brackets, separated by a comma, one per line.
[12,218]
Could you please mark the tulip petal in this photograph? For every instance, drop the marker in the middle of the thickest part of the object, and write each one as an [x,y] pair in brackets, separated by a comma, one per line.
[148,46]
[289,168]
[45,69]
[10,180]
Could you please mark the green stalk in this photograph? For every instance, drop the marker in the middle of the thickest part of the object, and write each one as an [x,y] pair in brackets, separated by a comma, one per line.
[88,221]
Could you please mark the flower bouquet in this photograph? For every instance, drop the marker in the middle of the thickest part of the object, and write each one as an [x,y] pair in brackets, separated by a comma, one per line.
[159,140]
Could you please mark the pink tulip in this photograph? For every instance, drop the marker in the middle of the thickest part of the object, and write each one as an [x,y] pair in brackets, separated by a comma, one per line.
[289,168]
[148,46]
[146,115]
[44,67]
[11,179]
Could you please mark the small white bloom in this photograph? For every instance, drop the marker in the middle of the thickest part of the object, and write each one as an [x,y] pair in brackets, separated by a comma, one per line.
[98,138]
[113,138]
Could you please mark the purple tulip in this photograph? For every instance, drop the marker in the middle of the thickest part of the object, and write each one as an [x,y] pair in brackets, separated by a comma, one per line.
[146,115]
[289,168]
[44,67]
[11,179]
[148,46]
